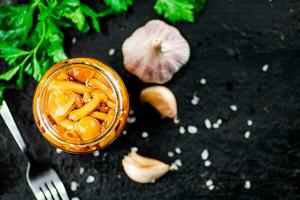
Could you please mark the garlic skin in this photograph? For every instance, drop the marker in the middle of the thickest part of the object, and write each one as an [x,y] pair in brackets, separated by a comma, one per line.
[162,99]
[142,169]
[155,51]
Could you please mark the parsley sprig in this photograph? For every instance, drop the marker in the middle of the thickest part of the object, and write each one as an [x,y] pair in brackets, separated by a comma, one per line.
[31,37]
[179,10]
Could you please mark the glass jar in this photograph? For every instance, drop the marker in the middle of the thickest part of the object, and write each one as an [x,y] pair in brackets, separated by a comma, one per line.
[80,105]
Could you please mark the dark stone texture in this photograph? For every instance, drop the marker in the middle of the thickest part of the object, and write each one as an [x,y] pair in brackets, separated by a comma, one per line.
[230,42]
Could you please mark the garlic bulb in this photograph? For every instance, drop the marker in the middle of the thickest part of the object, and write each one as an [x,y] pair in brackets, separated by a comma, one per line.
[162,99]
[142,169]
[155,51]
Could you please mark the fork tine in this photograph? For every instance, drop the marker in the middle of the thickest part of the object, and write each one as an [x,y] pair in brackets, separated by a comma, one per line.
[46,192]
[53,191]
[39,195]
[59,186]
[61,189]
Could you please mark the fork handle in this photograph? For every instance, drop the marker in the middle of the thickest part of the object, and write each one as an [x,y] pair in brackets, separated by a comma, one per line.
[11,124]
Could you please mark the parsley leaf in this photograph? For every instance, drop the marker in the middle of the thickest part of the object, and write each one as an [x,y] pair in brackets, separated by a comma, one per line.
[2,88]
[199,5]
[10,73]
[119,6]
[78,18]
[11,55]
[179,10]
[93,15]
[175,10]
[15,23]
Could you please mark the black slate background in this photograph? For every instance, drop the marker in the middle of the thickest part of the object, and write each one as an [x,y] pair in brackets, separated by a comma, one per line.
[230,43]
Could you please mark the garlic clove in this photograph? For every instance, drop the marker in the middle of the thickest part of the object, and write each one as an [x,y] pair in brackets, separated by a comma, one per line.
[155,51]
[162,99]
[142,169]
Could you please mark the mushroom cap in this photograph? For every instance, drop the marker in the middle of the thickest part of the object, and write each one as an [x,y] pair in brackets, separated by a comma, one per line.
[155,51]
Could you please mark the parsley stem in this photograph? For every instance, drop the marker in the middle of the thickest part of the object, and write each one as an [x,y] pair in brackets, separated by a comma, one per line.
[42,38]
[21,70]
[105,13]
[35,3]
[18,54]
[25,60]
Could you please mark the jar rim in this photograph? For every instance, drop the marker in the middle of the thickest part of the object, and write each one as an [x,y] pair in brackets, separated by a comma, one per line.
[99,66]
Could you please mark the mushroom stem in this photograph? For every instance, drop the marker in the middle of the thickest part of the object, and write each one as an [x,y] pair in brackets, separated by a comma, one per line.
[156,43]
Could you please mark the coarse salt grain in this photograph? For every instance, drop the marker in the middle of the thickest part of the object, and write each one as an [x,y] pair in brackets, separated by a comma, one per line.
[204,154]
[219,121]
[249,122]
[81,170]
[75,198]
[195,99]
[211,187]
[131,120]
[74,185]
[74,40]
[234,108]
[192,129]
[176,121]
[96,153]
[181,130]
[58,151]
[215,125]
[209,182]
[178,150]
[111,52]
[131,112]
[178,162]
[171,154]
[247,184]
[203,81]
[247,134]
[265,67]
[90,179]
[145,134]
[124,132]
[207,163]
[207,123]
[174,167]
[134,149]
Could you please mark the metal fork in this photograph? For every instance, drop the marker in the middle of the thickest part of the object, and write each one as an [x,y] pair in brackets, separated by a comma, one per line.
[43,180]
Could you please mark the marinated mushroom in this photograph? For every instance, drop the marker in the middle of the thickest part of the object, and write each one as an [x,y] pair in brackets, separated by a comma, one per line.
[88,127]
[81,74]
[75,105]
[60,103]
